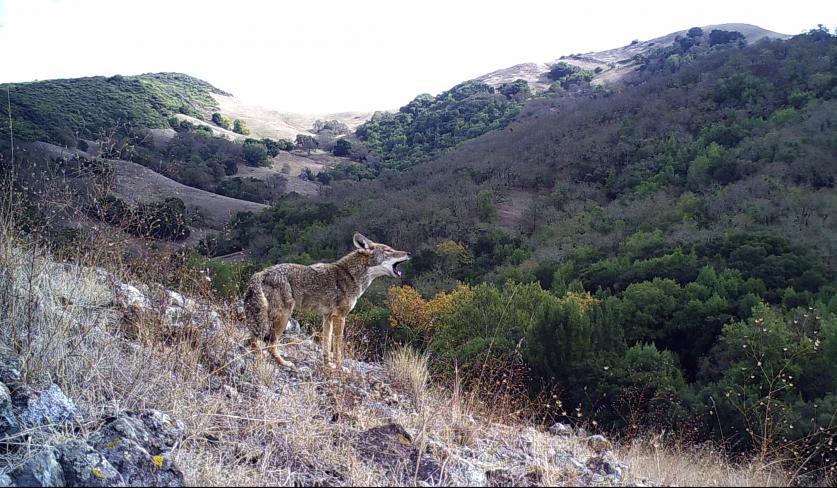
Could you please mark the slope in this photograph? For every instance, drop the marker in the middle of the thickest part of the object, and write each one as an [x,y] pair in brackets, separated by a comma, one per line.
[60,111]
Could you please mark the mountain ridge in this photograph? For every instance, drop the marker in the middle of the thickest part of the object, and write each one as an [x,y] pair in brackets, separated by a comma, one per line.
[535,73]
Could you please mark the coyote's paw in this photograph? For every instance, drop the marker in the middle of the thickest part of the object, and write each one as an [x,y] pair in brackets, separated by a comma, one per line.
[289,365]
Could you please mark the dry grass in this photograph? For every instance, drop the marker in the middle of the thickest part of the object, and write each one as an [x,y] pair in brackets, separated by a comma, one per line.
[409,369]
[677,465]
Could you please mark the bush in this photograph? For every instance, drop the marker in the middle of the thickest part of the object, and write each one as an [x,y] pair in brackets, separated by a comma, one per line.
[718,36]
[240,127]
[221,120]
[559,70]
[255,153]
[342,148]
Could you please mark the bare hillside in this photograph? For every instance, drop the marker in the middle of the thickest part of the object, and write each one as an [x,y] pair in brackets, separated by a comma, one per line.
[265,122]
[138,184]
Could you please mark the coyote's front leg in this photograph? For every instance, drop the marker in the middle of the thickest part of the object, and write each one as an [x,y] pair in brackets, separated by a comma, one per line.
[326,339]
[339,325]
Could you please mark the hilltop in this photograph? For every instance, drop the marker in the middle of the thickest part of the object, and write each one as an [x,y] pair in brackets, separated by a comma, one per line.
[612,64]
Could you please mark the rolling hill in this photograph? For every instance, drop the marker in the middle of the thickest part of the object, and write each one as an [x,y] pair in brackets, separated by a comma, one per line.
[613,64]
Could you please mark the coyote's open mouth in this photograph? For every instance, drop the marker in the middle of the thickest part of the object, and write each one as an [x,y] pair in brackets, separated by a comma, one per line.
[395,267]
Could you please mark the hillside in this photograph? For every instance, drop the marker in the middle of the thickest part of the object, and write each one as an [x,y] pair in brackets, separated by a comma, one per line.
[274,124]
[142,385]
[642,247]
[613,64]
[621,248]
[60,111]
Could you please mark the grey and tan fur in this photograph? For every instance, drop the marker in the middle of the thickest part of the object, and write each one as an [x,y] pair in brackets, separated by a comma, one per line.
[331,289]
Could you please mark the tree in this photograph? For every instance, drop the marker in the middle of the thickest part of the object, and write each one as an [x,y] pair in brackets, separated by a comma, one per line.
[695,32]
[342,148]
[255,153]
[240,127]
[221,120]
[718,36]
[273,147]
[304,141]
[560,70]
[487,209]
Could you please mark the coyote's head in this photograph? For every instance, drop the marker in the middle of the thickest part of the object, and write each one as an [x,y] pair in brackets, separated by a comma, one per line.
[383,260]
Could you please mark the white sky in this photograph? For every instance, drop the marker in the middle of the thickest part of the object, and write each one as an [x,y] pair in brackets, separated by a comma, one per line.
[318,56]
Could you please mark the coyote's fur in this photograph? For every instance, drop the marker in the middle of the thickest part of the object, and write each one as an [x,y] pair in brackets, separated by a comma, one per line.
[331,289]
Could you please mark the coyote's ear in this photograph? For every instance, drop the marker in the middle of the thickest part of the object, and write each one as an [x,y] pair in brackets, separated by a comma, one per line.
[361,242]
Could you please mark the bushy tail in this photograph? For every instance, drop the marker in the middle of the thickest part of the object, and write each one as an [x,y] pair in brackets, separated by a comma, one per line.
[256,308]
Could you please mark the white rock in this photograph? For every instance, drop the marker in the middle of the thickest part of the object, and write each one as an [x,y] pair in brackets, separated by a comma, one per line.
[132,297]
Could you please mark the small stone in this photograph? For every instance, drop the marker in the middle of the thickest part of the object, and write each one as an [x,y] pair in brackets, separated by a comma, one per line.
[132,297]
[598,443]
[561,430]
[605,466]
[293,327]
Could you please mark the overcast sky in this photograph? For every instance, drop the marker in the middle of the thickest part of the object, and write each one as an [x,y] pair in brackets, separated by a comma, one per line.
[317,56]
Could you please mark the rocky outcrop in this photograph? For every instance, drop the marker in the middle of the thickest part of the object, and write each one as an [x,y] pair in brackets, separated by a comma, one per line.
[133,449]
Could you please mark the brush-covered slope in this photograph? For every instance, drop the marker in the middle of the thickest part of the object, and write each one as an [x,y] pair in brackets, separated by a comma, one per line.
[60,111]
[611,64]
[623,244]
[106,380]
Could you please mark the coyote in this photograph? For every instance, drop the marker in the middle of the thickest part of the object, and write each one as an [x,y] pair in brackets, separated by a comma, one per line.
[331,289]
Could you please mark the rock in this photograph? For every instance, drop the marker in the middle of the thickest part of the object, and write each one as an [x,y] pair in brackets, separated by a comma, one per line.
[561,430]
[5,480]
[130,296]
[9,368]
[8,419]
[507,477]
[606,466]
[84,466]
[598,443]
[293,327]
[473,475]
[391,447]
[138,446]
[580,468]
[41,470]
[46,407]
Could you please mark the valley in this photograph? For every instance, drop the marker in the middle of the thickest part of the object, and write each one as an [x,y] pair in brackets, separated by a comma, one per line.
[638,241]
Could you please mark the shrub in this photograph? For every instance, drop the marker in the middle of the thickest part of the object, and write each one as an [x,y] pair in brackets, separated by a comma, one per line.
[255,153]
[240,127]
[221,120]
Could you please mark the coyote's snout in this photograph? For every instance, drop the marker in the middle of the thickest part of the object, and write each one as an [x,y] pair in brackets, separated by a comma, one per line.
[331,289]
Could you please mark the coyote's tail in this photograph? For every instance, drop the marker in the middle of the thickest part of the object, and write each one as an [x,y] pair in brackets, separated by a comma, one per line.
[256,308]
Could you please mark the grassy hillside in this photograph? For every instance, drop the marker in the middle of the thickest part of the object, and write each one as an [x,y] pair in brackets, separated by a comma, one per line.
[666,223]
[62,111]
